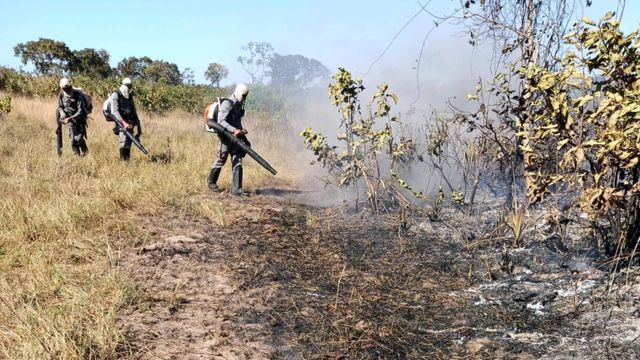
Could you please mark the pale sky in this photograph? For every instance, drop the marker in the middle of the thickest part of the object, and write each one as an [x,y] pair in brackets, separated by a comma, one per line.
[193,33]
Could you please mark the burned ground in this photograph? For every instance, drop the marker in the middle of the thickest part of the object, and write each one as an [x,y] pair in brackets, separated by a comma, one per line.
[283,280]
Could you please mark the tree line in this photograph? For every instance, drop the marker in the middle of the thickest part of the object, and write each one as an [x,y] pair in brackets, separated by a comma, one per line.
[260,61]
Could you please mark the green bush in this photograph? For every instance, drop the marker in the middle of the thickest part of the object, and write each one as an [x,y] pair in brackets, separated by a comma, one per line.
[151,97]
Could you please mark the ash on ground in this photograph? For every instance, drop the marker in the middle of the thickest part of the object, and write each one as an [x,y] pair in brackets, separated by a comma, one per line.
[290,281]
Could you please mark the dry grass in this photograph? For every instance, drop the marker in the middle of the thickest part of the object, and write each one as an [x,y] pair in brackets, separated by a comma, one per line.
[64,221]
[516,222]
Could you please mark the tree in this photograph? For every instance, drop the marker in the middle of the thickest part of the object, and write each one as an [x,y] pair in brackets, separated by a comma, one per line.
[49,57]
[163,72]
[145,68]
[369,152]
[91,62]
[585,133]
[188,77]
[530,30]
[295,71]
[216,72]
[133,67]
[258,59]
[521,32]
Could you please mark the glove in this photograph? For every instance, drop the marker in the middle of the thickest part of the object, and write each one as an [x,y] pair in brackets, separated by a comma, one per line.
[116,130]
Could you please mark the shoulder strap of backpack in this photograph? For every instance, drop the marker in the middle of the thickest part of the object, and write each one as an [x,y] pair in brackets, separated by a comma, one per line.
[212,112]
[77,94]
[108,100]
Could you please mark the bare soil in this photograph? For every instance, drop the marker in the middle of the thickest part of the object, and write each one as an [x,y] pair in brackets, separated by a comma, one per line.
[282,280]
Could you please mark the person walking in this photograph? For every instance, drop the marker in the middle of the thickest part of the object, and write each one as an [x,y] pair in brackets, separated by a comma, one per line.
[72,111]
[230,116]
[121,107]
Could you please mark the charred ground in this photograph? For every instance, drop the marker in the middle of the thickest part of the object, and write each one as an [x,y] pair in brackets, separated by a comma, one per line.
[285,280]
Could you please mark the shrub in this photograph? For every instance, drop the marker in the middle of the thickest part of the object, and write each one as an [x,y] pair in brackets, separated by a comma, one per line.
[583,132]
[370,153]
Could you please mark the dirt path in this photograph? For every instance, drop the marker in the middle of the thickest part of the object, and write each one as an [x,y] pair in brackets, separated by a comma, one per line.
[193,306]
[298,282]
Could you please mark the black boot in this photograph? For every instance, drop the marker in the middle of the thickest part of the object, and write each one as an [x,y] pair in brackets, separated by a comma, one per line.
[83,148]
[237,182]
[124,154]
[75,149]
[212,180]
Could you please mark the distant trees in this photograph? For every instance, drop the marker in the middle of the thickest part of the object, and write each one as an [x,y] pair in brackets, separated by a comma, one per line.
[284,72]
[216,72]
[92,63]
[188,77]
[147,69]
[288,72]
[49,57]
[257,60]
[161,71]
[133,67]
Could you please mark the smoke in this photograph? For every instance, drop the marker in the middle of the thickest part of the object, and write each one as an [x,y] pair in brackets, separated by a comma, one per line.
[448,69]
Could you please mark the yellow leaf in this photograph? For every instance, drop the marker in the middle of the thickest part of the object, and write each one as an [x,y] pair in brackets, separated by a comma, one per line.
[527,149]
[579,154]
[582,100]
[592,143]
[632,163]
[569,122]
[608,16]
[588,21]
[562,143]
[613,144]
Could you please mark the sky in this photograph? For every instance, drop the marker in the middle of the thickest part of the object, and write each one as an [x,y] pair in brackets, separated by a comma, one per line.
[194,33]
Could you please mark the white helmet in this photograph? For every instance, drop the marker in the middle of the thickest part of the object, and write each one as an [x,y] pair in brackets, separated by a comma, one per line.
[124,90]
[240,92]
[64,82]
[126,81]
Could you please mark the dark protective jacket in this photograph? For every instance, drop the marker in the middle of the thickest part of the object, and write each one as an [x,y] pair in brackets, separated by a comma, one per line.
[70,105]
[122,108]
[230,113]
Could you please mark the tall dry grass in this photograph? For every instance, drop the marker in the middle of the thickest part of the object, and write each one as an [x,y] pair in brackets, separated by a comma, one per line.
[65,220]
